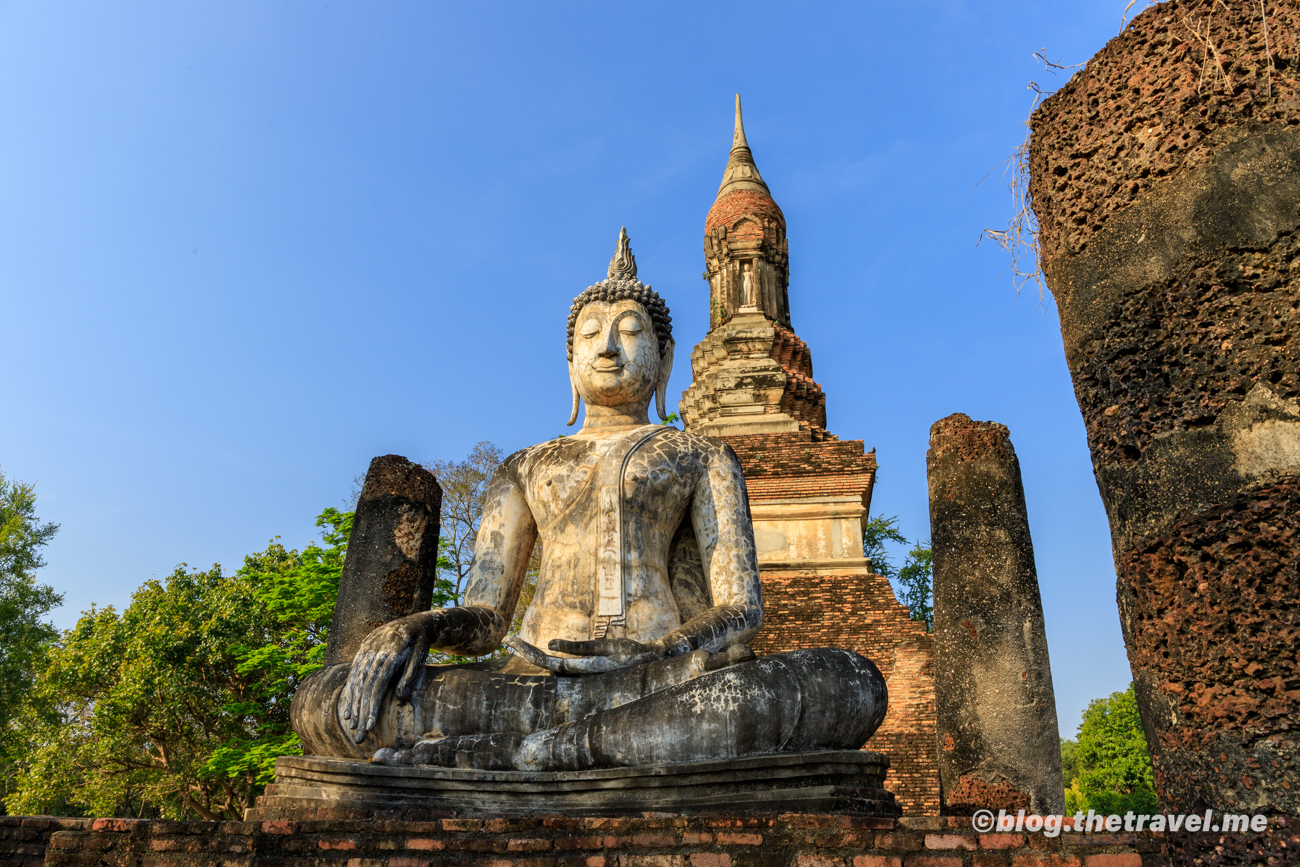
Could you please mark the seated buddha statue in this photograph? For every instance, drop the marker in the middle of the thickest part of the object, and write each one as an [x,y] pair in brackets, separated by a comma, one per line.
[647,593]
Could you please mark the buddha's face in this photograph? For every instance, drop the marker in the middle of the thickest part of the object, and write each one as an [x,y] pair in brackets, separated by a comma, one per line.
[615,354]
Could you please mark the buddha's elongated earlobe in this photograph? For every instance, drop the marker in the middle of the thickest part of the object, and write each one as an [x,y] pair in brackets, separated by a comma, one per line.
[573,416]
[665,371]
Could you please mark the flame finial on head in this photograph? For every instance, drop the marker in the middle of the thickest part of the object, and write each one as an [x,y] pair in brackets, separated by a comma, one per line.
[624,263]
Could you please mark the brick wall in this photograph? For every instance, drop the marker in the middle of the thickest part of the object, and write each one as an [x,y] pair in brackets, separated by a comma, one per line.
[556,841]
[799,464]
[857,612]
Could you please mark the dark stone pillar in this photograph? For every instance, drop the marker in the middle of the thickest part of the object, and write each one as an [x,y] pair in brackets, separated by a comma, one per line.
[1166,180]
[999,746]
[392,553]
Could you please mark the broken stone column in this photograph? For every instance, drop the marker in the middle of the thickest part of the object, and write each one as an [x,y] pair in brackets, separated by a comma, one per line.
[999,746]
[1166,181]
[392,555]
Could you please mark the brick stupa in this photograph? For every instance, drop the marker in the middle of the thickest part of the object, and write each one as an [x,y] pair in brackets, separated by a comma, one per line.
[809,491]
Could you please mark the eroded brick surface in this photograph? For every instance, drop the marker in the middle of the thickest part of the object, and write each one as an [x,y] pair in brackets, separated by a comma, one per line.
[730,209]
[1278,845]
[774,841]
[1219,326]
[1216,627]
[860,613]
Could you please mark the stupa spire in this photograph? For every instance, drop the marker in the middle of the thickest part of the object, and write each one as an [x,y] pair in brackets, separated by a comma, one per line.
[738,141]
[752,374]
[741,173]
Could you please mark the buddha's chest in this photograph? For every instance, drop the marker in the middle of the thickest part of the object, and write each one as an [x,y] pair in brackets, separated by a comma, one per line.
[640,483]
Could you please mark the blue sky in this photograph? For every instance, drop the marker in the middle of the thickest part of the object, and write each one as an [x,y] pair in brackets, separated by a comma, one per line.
[245,247]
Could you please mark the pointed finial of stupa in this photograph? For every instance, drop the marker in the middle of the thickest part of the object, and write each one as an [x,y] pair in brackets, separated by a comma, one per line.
[741,173]
[739,140]
[624,263]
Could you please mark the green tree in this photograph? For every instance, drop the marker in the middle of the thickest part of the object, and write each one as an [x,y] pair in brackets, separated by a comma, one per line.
[913,581]
[24,635]
[1069,761]
[1113,771]
[297,591]
[179,705]
[878,531]
[132,706]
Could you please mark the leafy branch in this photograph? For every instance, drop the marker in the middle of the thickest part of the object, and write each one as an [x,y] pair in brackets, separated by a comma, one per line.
[912,582]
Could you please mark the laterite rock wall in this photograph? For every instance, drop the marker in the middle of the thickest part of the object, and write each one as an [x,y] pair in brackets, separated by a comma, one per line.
[1166,181]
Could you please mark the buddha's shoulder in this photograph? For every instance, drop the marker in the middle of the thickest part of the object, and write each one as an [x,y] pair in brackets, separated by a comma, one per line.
[709,448]
[580,450]
[561,450]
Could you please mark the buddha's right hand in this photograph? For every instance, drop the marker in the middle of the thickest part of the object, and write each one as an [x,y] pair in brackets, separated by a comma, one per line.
[400,643]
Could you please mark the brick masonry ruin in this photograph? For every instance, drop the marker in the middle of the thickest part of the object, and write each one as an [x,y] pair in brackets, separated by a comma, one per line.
[557,841]
[1166,181]
[809,492]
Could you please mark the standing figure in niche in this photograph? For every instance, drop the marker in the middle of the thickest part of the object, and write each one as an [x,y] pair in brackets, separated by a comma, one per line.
[647,593]
[747,286]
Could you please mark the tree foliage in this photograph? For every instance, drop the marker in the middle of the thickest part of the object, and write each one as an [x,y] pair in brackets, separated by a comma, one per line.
[915,580]
[1069,761]
[24,635]
[179,705]
[1112,772]
[877,532]
[912,582]
[298,591]
[22,535]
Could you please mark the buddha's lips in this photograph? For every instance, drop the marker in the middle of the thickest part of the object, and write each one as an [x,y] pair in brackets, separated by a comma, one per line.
[615,369]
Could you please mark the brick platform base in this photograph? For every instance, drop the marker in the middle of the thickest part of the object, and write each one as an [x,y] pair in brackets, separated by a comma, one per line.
[700,841]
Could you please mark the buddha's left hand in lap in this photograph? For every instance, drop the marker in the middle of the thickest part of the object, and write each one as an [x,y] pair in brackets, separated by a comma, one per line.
[590,657]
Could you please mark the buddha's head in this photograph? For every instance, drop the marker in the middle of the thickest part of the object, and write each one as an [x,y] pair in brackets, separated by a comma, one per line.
[620,340]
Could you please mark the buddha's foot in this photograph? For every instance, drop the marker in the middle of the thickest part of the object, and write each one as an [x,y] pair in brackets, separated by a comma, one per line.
[491,752]
[796,701]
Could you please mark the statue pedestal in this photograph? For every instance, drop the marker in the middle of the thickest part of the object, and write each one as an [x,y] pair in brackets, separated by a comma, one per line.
[832,781]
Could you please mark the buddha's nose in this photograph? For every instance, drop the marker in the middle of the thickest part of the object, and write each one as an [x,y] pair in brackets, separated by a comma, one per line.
[611,347]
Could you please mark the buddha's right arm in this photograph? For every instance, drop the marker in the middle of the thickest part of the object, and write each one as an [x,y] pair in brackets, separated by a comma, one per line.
[465,630]
[504,543]
[506,535]
[502,547]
